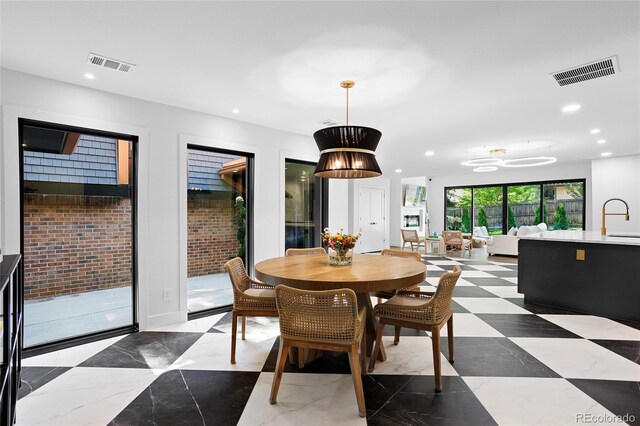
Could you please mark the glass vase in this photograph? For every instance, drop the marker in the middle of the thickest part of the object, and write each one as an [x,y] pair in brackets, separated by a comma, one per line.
[340,257]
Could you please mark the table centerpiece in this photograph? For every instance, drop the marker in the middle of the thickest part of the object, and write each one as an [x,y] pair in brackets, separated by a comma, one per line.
[340,245]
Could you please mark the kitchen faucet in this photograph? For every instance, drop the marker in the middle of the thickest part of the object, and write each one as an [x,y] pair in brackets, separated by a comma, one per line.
[603,230]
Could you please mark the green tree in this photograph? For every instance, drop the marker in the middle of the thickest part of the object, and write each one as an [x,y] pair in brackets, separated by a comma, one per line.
[482,218]
[466,221]
[540,218]
[240,216]
[511,220]
[560,218]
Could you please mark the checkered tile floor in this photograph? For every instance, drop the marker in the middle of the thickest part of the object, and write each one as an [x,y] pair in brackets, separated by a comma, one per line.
[515,364]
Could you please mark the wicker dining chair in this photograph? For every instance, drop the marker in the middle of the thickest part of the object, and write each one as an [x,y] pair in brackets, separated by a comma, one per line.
[388,294]
[411,236]
[327,320]
[456,240]
[427,311]
[304,251]
[250,299]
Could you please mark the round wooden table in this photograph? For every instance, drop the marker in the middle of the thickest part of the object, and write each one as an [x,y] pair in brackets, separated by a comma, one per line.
[368,273]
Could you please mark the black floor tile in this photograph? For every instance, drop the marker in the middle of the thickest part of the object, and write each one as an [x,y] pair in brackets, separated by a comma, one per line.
[621,398]
[629,349]
[463,267]
[191,397]
[144,350]
[34,377]
[458,309]
[494,356]
[490,281]
[434,274]
[415,402]
[539,309]
[524,325]
[471,291]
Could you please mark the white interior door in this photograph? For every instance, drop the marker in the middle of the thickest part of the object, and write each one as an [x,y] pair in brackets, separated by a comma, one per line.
[371,219]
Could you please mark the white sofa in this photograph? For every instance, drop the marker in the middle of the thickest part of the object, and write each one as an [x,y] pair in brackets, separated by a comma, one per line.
[508,244]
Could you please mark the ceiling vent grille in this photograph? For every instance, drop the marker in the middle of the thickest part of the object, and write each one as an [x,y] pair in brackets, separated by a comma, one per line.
[104,62]
[329,122]
[596,69]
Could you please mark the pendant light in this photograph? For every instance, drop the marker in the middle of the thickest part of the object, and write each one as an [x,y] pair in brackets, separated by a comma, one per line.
[347,152]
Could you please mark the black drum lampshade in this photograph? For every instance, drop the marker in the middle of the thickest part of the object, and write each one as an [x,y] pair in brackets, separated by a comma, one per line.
[347,152]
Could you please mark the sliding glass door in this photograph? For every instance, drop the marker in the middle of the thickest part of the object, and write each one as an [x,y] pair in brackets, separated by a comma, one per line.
[523,204]
[78,232]
[458,209]
[563,206]
[487,208]
[305,205]
[219,199]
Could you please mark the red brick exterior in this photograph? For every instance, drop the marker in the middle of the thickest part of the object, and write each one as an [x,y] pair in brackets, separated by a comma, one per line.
[74,244]
[211,239]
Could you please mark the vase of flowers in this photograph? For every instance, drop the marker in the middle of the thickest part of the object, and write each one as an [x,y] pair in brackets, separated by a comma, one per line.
[339,245]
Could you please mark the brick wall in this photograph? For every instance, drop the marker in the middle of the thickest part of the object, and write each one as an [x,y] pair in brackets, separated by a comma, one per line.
[211,239]
[74,244]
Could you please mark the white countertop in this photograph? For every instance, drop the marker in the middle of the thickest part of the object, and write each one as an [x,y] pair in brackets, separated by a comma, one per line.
[584,237]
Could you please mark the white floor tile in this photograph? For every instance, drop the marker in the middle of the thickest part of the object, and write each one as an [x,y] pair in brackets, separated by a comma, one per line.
[444,262]
[533,401]
[257,326]
[476,274]
[84,396]
[303,399]
[70,357]
[213,350]
[469,325]
[433,268]
[200,325]
[461,282]
[592,327]
[489,305]
[412,356]
[580,359]
[511,279]
[504,291]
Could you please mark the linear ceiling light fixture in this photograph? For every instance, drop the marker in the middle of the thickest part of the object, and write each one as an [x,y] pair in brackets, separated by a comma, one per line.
[347,152]
[529,161]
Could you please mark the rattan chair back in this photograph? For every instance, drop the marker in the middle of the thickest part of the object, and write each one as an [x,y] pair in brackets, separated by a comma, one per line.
[304,251]
[452,237]
[401,253]
[410,236]
[238,275]
[442,298]
[329,316]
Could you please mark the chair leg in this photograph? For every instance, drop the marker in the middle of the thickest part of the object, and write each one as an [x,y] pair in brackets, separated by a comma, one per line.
[244,326]
[450,337]
[354,361]
[396,339]
[300,357]
[277,377]
[363,349]
[292,357]
[234,330]
[376,347]
[435,344]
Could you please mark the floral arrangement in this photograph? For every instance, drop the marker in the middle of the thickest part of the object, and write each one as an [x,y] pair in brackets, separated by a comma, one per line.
[454,222]
[340,241]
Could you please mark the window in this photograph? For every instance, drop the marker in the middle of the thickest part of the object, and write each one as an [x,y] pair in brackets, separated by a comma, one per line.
[504,206]
[219,199]
[78,232]
[305,204]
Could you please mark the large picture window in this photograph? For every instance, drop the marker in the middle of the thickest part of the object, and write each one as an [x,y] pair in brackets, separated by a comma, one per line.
[559,204]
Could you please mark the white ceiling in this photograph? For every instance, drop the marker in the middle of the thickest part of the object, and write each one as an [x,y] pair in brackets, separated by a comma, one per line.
[440,76]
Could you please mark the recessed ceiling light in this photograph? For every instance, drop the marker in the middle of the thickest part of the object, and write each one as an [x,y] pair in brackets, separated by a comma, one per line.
[398,170]
[605,154]
[89,76]
[601,141]
[528,161]
[429,153]
[489,161]
[236,111]
[595,131]
[571,108]
[482,169]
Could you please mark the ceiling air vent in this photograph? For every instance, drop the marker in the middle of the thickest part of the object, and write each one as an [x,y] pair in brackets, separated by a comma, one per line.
[597,69]
[329,122]
[114,64]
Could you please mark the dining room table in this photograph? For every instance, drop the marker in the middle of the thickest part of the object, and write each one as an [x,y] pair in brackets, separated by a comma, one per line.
[367,273]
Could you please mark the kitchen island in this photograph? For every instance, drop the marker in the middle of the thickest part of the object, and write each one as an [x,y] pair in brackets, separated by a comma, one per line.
[582,271]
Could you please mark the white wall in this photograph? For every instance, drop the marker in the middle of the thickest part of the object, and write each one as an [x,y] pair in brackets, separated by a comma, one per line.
[164,132]
[435,187]
[617,177]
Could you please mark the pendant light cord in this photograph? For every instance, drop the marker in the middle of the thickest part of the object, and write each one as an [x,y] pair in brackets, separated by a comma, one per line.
[347,106]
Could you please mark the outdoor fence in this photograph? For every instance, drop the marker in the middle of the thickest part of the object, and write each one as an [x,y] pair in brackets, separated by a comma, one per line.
[523,214]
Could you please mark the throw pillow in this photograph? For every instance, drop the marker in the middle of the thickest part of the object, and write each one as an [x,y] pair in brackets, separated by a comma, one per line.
[513,231]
